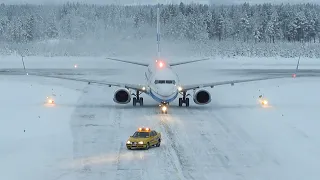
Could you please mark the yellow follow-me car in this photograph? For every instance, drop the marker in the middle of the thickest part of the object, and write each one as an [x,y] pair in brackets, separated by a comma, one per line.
[144,138]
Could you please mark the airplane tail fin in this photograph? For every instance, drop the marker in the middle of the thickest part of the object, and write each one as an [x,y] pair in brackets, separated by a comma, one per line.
[158,48]
[158,30]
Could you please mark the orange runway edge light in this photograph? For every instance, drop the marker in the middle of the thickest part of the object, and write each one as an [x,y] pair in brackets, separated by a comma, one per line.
[50,100]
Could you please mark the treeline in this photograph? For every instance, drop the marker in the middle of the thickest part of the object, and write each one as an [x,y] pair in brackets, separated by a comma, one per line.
[246,23]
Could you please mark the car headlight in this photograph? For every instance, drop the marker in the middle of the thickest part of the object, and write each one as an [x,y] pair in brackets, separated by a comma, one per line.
[128,142]
[141,142]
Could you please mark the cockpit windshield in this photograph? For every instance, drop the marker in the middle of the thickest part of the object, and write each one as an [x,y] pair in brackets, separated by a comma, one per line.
[141,134]
[165,82]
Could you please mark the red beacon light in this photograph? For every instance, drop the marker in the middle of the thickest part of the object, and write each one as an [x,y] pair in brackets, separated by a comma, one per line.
[294,75]
[161,64]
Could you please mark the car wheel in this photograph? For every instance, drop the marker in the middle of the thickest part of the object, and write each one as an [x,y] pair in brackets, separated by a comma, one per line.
[158,144]
[148,146]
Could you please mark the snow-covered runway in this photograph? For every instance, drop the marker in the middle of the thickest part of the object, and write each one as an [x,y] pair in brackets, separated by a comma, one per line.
[83,136]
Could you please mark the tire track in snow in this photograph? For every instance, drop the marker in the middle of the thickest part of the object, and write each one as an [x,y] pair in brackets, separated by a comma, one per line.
[228,144]
[175,150]
[95,129]
[128,162]
[258,152]
[218,160]
[144,164]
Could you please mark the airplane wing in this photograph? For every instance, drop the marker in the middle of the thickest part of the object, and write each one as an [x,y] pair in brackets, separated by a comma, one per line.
[130,62]
[145,64]
[185,88]
[186,62]
[196,86]
[139,87]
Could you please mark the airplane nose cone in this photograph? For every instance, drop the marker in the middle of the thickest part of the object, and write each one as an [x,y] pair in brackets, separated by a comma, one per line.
[165,90]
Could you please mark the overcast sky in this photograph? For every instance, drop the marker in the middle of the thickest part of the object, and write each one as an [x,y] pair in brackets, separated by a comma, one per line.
[131,2]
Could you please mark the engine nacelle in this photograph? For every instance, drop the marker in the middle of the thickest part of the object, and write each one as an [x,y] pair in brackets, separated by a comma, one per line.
[201,97]
[122,96]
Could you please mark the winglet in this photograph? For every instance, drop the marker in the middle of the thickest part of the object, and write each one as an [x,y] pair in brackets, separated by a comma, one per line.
[24,67]
[297,68]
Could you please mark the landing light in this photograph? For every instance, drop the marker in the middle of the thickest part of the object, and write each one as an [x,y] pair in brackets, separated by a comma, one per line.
[179,88]
[75,66]
[164,108]
[143,88]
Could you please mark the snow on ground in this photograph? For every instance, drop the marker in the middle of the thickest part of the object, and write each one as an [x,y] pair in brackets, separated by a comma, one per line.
[34,135]
[233,137]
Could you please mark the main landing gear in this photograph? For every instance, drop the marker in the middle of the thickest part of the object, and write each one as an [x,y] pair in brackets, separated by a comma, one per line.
[137,99]
[184,99]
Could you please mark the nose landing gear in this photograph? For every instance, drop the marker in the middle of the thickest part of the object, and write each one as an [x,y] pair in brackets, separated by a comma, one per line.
[164,108]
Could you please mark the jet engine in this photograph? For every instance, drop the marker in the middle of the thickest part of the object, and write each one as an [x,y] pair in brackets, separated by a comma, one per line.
[201,97]
[122,96]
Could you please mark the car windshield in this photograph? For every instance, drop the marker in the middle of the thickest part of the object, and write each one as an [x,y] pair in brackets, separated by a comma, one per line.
[141,134]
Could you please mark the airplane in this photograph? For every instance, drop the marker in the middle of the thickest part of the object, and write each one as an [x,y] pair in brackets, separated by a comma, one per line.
[162,83]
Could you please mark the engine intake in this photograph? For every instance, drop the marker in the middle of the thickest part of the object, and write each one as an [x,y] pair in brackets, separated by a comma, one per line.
[122,96]
[201,97]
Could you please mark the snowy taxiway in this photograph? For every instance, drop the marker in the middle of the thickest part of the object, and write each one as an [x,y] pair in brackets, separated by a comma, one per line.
[83,136]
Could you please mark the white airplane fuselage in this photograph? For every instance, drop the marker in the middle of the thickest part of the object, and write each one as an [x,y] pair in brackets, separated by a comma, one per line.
[162,82]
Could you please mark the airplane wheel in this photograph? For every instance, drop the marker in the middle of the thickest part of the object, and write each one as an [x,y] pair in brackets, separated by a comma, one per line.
[180,101]
[141,101]
[187,102]
[134,101]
